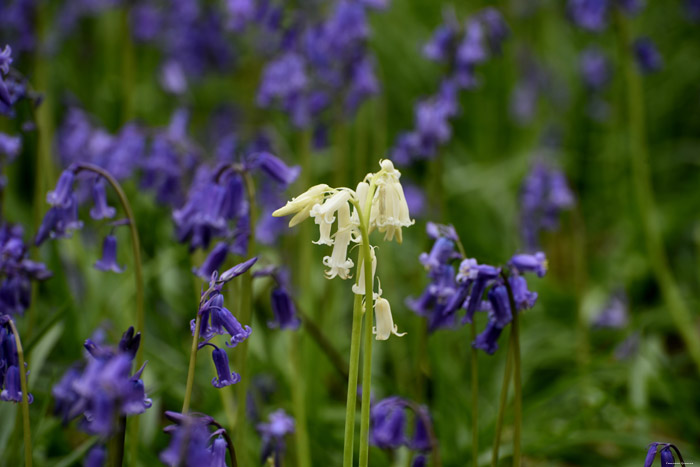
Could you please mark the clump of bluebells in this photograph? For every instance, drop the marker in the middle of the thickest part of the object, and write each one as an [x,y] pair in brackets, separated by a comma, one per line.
[665,451]
[279,425]
[544,194]
[475,287]
[390,419]
[16,271]
[460,50]
[192,444]
[216,320]
[102,390]
[10,384]
[323,67]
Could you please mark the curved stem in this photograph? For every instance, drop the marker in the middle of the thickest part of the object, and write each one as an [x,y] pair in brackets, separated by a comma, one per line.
[517,383]
[135,247]
[116,444]
[502,405]
[351,404]
[475,399]
[193,362]
[367,356]
[425,418]
[641,178]
[25,397]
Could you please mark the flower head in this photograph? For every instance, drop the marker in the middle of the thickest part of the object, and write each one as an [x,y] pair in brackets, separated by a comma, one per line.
[108,262]
[385,322]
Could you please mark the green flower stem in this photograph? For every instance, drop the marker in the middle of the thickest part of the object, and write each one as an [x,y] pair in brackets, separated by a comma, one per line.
[364,217]
[502,404]
[350,407]
[246,312]
[517,383]
[135,247]
[116,444]
[193,362]
[128,67]
[475,399]
[641,179]
[298,387]
[25,397]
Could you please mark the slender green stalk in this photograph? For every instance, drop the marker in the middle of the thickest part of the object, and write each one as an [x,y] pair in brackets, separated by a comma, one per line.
[193,363]
[246,312]
[367,355]
[313,330]
[641,179]
[25,397]
[298,386]
[135,247]
[502,404]
[116,444]
[517,383]
[350,407]
[475,400]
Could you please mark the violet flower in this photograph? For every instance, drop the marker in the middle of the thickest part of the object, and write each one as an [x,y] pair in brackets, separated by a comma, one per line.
[273,433]
[108,262]
[648,57]
[224,375]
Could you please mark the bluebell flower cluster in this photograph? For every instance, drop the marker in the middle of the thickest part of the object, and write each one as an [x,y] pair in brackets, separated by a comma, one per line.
[544,194]
[217,320]
[103,389]
[594,15]
[475,287]
[461,50]
[192,444]
[665,451]
[390,419]
[16,271]
[279,425]
[322,66]
[5,61]
[10,384]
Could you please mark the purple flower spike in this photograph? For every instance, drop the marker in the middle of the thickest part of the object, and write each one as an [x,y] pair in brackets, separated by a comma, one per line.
[276,169]
[502,314]
[237,270]
[284,310]
[62,195]
[213,262]
[223,322]
[108,262]
[225,376]
[488,339]
[99,196]
[536,263]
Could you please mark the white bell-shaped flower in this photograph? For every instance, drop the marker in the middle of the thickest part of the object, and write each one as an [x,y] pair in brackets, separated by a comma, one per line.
[338,263]
[385,322]
[390,204]
[302,204]
[359,288]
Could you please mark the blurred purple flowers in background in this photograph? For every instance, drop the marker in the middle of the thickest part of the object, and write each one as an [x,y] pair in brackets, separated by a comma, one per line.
[272,433]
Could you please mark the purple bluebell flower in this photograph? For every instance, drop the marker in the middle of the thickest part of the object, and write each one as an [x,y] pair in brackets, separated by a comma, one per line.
[5,59]
[472,50]
[189,443]
[594,68]
[283,79]
[12,388]
[440,47]
[284,310]
[363,84]
[62,195]
[214,260]
[523,297]
[421,441]
[415,199]
[536,263]
[482,276]
[589,14]
[648,57]
[488,339]
[104,389]
[10,146]
[272,433]
[496,28]
[240,12]
[237,270]
[435,231]
[276,169]
[218,452]
[442,252]
[100,209]
[108,262]
[59,223]
[615,314]
[224,375]
[96,457]
[388,423]
[651,454]
[173,78]
[667,459]
[500,306]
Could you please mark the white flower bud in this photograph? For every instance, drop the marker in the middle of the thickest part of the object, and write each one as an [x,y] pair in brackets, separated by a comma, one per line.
[385,322]
[302,204]
[338,263]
